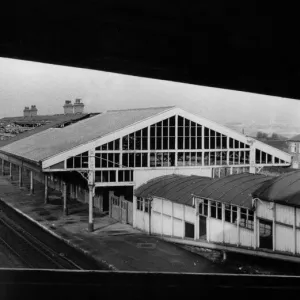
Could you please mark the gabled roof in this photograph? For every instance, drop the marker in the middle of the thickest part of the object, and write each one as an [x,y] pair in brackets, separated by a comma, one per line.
[295,138]
[53,141]
[283,189]
[235,189]
[176,188]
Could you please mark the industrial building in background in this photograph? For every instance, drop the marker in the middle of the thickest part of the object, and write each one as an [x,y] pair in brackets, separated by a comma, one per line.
[294,150]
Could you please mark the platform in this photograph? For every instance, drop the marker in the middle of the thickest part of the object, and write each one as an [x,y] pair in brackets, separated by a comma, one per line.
[119,245]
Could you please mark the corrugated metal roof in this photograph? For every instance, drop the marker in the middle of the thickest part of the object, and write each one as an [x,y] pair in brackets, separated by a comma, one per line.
[54,141]
[283,189]
[235,189]
[176,188]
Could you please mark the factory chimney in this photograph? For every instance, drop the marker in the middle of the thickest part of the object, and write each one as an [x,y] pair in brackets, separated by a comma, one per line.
[68,107]
[78,107]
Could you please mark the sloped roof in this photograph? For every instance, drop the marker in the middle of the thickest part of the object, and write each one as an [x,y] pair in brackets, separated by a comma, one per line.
[53,141]
[283,189]
[55,120]
[295,138]
[279,144]
[176,188]
[235,189]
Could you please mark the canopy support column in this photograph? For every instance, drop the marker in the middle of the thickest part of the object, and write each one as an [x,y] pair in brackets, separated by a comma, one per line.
[31,183]
[91,198]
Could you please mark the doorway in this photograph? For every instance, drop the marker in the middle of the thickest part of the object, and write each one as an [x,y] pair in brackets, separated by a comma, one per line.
[202,227]
[265,234]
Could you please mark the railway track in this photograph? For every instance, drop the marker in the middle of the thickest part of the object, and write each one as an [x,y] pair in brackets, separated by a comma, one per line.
[29,249]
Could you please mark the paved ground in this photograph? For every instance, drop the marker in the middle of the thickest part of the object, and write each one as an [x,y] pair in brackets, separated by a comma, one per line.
[119,245]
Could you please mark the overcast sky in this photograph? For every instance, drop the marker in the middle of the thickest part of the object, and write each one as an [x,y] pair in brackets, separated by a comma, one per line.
[24,83]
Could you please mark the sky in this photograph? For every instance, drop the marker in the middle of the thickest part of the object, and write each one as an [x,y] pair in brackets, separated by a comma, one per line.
[25,83]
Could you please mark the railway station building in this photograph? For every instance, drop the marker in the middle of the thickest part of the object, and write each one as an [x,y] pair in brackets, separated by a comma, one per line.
[244,213]
[102,159]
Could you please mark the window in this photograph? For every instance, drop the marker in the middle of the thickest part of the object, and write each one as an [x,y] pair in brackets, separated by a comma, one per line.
[247,218]
[189,230]
[203,208]
[147,204]
[216,210]
[213,209]
[139,204]
[230,213]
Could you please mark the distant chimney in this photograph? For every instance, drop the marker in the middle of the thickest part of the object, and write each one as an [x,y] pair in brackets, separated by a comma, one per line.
[26,111]
[33,111]
[68,107]
[78,107]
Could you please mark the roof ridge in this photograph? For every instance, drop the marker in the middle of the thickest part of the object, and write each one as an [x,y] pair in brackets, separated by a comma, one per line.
[142,108]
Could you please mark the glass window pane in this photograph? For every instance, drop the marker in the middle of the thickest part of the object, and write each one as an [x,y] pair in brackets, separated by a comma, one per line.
[111,145]
[144,159]
[125,142]
[172,159]
[125,160]
[172,121]
[199,143]
[158,143]
[104,160]
[117,144]
[159,159]
[199,159]
[180,143]
[131,141]
[180,159]
[70,163]
[110,160]
[144,143]
[117,160]
[187,161]
[165,159]
[138,162]
[131,160]
[206,159]
[236,144]
[206,143]
[152,143]
[152,159]
[172,143]
[180,121]
[165,143]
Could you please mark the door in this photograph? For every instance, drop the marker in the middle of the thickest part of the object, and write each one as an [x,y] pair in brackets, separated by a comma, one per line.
[123,211]
[130,213]
[202,227]
[265,234]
